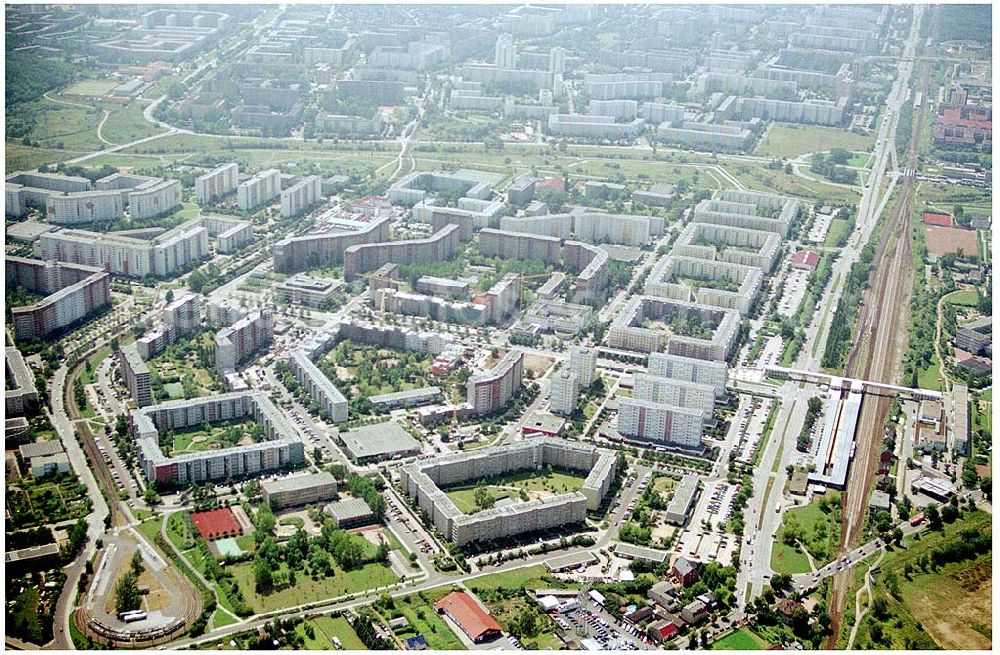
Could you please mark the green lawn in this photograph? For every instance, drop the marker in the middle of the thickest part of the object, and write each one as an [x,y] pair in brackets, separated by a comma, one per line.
[174,389]
[424,620]
[838,227]
[785,140]
[819,530]
[325,628]
[963,297]
[529,577]
[223,618]
[556,482]
[126,124]
[930,377]
[742,639]
[150,528]
[307,590]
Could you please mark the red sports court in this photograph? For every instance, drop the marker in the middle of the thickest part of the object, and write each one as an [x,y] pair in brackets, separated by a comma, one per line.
[216,523]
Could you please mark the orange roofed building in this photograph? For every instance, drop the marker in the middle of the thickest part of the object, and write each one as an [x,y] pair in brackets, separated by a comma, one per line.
[466,612]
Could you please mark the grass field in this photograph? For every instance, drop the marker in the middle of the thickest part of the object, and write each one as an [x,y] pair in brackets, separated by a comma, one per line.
[963,297]
[947,608]
[534,484]
[424,620]
[742,639]
[785,140]
[307,590]
[530,577]
[930,377]
[838,227]
[126,124]
[325,628]
[174,389]
[819,531]
[91,88]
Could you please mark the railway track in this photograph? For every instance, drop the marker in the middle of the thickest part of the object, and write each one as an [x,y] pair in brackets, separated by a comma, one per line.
[883,322]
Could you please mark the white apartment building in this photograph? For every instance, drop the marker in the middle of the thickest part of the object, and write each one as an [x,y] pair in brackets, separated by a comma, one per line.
[583,363]
[301,196]
[660,423]
[563,394]
[259,189]
[216,183]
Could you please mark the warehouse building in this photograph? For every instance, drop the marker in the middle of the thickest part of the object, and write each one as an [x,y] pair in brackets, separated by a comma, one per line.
[298,490]
[379,442]
[281,450]
[351,513]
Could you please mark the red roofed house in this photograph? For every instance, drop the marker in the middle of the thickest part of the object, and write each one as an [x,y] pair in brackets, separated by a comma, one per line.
[806,259]
[965,125]
[466,612]
[553,183]
[934,218]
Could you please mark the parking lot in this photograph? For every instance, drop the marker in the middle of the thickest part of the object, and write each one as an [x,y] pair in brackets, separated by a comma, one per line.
[820,226]
[752,420]
[794,291]
[590,622]
[696,544]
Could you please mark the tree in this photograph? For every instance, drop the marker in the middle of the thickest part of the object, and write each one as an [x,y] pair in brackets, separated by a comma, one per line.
[949,513]
[933,518]
[127,595]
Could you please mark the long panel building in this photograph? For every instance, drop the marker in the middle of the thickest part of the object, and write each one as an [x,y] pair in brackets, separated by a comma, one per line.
[74,292]
[293,254]
[216,183]
[424,483]
[234,344]
[440,246]
[280,449]
[162,256]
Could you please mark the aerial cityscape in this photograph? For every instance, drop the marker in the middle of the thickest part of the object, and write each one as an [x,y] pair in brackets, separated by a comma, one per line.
[498,327]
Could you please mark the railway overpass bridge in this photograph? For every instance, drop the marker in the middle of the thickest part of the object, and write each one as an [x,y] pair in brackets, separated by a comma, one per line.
[868,386]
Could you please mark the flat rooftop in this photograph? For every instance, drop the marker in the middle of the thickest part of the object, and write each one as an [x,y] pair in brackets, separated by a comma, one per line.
[382,440]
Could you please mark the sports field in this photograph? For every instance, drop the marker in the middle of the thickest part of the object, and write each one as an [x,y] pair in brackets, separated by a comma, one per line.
[91,88]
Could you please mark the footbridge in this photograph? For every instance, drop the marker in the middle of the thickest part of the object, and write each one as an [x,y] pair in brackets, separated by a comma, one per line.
[833,381]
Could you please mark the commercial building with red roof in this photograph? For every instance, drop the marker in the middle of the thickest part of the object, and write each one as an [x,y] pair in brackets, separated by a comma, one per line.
[934,218]
[964,125]
[464,610]
[805,259]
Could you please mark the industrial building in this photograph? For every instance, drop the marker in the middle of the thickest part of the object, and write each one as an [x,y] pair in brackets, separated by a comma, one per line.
[490,391]
[424,481]
[280,450]
[298,490]
[72,293]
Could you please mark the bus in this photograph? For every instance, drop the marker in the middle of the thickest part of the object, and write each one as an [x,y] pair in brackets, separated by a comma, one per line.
[130,617]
